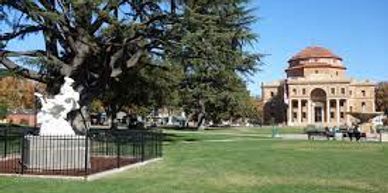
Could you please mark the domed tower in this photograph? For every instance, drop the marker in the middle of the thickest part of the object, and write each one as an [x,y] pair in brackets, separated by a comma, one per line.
[315,61]
[316,91]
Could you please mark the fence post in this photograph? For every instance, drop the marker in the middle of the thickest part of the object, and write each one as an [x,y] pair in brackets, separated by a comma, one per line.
[160,142]
[118,151]
[86,152]
[5,141]
[23,152]
[142,145]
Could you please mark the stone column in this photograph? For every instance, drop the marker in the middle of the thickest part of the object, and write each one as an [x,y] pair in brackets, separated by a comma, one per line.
[338,111]
[299,111]
[373,106]
[289,118]
[328,111]
[309,114]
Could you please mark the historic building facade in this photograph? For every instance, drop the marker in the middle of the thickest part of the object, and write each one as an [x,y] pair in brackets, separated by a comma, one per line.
[316,91]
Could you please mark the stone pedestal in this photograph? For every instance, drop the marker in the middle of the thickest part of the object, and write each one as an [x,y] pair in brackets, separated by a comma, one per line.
[56,152]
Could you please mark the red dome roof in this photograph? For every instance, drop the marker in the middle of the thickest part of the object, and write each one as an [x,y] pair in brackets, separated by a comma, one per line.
[314,52]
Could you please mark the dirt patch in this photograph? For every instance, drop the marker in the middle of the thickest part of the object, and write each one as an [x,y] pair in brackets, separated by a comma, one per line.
[97,164]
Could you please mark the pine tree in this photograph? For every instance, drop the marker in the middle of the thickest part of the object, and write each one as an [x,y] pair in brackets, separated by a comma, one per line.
[212,54]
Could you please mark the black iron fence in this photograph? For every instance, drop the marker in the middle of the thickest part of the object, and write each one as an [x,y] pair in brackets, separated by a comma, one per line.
[24,152]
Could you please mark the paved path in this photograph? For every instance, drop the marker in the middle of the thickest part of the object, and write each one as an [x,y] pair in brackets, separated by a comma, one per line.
[266,136]
[218,133]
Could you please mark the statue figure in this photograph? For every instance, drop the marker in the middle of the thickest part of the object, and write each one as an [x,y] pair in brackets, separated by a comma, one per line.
[53,114]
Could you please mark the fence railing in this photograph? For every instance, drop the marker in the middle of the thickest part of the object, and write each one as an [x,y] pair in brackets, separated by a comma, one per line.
[99,150]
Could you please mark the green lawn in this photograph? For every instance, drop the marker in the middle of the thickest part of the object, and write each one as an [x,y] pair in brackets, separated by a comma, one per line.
[249,130]
[259,165]
[258,130]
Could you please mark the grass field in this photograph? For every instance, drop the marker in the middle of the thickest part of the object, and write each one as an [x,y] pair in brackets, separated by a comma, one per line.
[252,130]
[239,165]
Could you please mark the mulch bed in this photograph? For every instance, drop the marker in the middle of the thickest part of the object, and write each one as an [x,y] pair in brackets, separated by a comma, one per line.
[98,164]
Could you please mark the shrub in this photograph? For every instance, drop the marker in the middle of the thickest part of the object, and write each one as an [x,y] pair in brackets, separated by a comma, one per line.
[3,111]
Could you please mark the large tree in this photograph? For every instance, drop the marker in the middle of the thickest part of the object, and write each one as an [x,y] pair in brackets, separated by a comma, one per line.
[104,45]
[213,56]
[93,41]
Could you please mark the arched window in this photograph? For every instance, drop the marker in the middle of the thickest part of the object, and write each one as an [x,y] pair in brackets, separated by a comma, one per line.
[363,105]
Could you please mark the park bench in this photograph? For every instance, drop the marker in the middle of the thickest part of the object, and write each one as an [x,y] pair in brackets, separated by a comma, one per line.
[313,132]
[353,135]
[328,135]
[317,133]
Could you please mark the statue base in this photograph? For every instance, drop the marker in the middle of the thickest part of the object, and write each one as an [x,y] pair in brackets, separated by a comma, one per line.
[56,152]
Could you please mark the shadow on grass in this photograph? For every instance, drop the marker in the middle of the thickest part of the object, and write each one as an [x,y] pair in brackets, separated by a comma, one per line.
[174,138]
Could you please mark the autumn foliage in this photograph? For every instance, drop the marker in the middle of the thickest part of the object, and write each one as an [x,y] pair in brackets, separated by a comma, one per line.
[17,93]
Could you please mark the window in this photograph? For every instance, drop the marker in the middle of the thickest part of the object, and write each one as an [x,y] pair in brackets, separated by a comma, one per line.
[316,72]
[332,103]
[295,115]
[332,90]
[304,91]
[342,115]
[350,92]
[342,90]
[336,73]
[363,93]
[351,109]
[304,115]
[272,94]
[294,91]
[332,115]
[342,103]
[363,106]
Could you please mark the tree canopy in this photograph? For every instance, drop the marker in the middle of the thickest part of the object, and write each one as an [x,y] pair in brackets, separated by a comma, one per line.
[138,52]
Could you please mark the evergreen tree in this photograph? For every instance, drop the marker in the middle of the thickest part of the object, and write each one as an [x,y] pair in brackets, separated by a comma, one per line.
[212,56]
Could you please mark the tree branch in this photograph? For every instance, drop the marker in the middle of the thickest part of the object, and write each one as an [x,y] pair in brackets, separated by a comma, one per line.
[22,31]
[12,66]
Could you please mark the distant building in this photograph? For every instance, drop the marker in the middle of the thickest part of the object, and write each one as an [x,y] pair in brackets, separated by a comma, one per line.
[316,91]
[22,117]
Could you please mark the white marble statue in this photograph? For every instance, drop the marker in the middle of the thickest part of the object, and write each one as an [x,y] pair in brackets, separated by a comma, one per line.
[53,114]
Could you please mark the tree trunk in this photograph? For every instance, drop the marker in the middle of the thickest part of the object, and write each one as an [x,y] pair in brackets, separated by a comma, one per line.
[79,120]
[201,115]
[189,118]
[201,120]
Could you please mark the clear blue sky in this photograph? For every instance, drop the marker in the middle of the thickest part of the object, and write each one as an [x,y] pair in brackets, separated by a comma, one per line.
[356,30]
